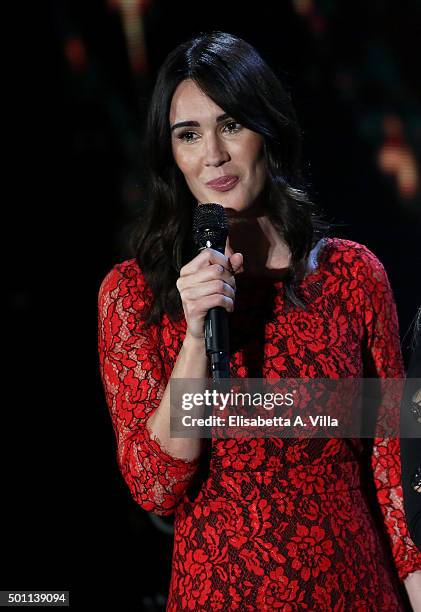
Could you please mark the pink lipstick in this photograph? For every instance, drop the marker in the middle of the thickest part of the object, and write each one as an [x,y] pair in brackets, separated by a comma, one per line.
[223,183]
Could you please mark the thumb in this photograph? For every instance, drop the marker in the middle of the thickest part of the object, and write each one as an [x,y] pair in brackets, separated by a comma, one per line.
[236,261]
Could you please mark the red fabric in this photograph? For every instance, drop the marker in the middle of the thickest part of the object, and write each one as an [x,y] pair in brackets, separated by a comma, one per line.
[275,524]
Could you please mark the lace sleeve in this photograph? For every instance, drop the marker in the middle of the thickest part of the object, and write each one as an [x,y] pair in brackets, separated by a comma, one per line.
[384,360]
[134,382]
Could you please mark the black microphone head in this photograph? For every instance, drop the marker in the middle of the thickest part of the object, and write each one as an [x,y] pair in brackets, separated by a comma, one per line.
[210,227]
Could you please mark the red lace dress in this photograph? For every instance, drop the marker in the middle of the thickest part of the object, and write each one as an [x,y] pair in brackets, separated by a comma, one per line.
[269,524]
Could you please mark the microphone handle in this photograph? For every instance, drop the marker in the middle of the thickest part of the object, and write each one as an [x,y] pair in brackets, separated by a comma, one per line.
[217,342]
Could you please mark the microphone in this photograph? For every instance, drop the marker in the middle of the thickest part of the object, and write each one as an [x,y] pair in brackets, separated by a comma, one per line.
[210,230]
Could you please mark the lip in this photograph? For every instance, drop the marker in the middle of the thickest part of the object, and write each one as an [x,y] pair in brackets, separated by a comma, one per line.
[223,183]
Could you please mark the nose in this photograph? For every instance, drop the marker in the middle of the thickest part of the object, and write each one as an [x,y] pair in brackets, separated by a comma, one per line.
[216,152]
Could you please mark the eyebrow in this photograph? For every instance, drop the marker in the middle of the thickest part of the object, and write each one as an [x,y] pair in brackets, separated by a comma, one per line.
[196,123]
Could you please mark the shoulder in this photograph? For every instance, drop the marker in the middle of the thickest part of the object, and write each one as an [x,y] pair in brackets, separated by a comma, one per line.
[352,269]
[340,254]
[126,282]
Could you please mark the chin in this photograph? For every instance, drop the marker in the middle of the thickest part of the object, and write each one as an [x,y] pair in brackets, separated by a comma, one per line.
[235,207]
[233,210]
[231,201]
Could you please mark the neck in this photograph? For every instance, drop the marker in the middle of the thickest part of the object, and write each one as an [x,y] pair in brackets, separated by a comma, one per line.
[265,252]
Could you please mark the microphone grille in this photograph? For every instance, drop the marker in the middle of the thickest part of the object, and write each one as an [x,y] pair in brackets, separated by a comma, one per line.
[210,215]
[210,226]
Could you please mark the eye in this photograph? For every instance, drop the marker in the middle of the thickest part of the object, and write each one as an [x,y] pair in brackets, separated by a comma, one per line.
[187,136]
[232,127]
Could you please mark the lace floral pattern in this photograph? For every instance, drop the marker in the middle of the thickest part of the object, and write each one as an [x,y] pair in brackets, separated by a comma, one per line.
[269,523]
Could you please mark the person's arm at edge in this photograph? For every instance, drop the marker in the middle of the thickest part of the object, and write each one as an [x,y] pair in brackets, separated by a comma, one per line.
[386,362]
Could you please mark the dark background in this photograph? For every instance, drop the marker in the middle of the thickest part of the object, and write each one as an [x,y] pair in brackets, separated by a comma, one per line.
[81,74]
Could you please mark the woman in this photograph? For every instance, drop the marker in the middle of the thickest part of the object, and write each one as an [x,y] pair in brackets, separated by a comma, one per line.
[411,453]
[260,524]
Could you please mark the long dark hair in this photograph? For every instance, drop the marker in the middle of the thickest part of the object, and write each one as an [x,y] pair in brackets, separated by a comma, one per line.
[230,72]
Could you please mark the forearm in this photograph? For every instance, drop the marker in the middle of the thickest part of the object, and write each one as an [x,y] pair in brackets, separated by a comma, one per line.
[192,362]
[413,587]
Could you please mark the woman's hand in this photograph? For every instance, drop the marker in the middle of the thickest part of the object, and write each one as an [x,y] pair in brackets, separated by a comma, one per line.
[207,281]
[413,586]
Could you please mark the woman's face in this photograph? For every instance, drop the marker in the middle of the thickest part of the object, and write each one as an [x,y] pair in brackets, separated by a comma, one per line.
[221,160]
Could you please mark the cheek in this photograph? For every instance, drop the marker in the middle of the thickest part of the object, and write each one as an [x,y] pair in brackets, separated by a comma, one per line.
[261,167]
[259,155]
[185,162]
[261,163]
[257,162]
[252,153]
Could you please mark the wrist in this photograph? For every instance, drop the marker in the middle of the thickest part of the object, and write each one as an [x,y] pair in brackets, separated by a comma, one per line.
[194,342]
